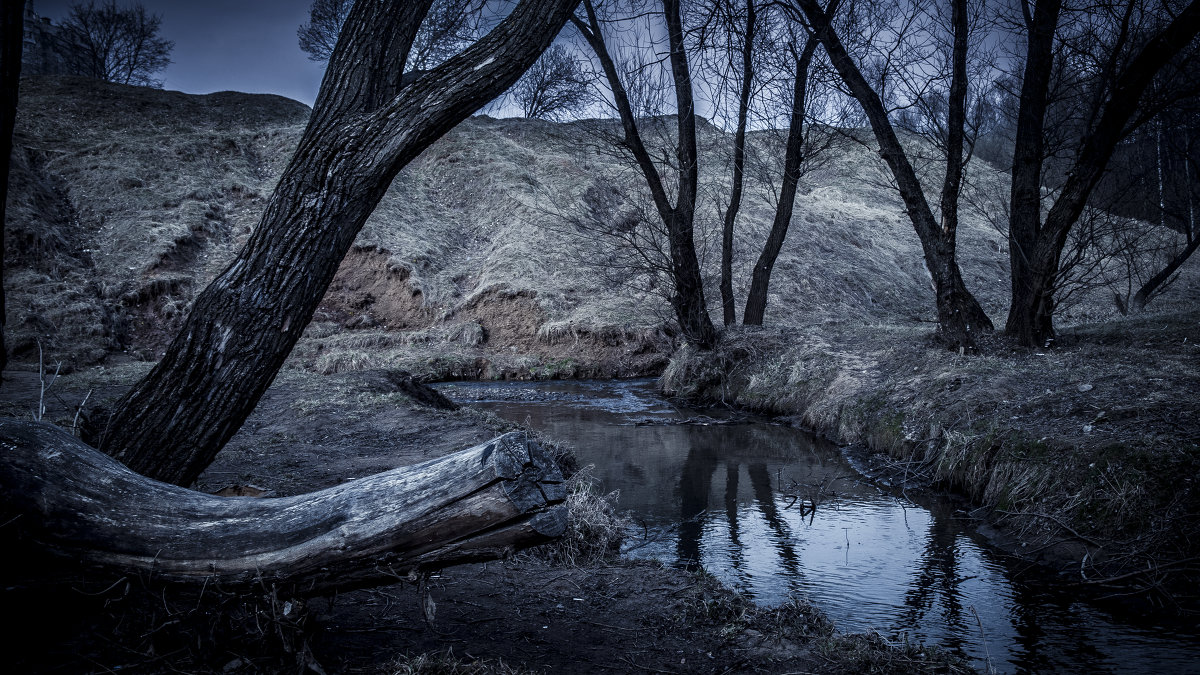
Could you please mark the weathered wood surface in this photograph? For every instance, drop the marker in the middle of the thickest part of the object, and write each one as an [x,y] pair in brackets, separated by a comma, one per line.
[68,498]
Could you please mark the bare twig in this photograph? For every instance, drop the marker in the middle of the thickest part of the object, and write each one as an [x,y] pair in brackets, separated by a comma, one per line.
[1135,573]
[40,412]
[987,655]
[75,422]
[1058,522]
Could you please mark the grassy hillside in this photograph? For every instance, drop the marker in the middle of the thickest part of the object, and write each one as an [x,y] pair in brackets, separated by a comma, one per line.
[126,201]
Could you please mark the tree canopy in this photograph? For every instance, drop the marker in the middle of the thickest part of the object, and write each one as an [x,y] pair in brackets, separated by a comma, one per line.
[116,44]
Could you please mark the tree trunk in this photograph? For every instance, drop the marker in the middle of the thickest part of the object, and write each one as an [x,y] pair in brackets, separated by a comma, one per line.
[1036,251]
[1031,324]
[366,125]
[957,303]
[691,310]
[793,157]
[959,314]
[1147,290]
[728,309]
[956,118]
[74,502]
[689,287]
[13,31]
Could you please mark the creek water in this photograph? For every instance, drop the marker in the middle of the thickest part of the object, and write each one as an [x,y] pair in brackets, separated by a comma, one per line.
[736,495]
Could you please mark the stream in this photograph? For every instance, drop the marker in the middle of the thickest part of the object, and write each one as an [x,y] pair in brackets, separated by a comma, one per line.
[735,495]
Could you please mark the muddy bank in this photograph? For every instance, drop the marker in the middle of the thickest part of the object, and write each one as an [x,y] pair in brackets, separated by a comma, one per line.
[571,607]
[1083,457]
[376,315]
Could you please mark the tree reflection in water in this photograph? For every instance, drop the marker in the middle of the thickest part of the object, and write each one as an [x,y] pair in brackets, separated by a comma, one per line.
[911,568]
[709,447]
[938,579]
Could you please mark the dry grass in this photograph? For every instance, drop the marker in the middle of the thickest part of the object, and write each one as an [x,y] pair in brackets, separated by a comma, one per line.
[1083,445]
[595,529]
[132,198]
[135,198]
[447,663]
[763,634]
[872,654]
[126,201]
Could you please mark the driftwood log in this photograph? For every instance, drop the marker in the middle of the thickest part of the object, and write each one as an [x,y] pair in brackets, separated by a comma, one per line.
[62,496]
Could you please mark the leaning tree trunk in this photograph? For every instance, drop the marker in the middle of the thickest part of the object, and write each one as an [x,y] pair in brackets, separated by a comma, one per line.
[691,310]
[959,314]
[728,308]
[1030,318]
[366,125]
[12,28]
[60,496]
[793,158]
[1152,284]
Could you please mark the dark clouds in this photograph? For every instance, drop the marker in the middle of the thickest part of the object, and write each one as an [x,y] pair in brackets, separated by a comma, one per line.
[220,45]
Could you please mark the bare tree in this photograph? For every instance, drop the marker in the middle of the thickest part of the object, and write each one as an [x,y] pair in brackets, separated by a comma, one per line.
[730,29]
[1136,47]
[448,27]
[319,36]
[1177,197]
[744,61]
[959,313]
[116,45]
[802,152]
[1140,224]
[556,87]
[678,214]
[1150,195]
[367,123]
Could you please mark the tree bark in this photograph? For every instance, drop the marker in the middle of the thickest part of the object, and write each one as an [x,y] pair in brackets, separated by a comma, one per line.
[13,30]
[689,286]
[1031,325]
[366,125]
[688,301]
[793,158]
[74,502]
[1147,290]
[728,309]
[1036,250]
[956,120]
[959,314]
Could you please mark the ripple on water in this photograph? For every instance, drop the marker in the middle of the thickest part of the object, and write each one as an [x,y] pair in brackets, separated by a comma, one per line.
[728,497]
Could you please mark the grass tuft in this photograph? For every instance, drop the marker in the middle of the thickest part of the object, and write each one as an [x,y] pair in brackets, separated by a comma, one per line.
[447,663]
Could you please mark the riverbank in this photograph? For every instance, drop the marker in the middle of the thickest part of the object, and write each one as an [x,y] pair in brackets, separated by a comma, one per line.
[573,607]
[1083,457]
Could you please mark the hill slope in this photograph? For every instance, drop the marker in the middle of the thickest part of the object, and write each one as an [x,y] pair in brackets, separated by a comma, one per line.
[126,201]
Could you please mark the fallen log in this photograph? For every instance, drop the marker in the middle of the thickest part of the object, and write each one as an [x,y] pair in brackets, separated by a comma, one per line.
[62,496]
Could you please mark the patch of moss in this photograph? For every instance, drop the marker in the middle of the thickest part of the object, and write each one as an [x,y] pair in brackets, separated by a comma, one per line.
[561,368]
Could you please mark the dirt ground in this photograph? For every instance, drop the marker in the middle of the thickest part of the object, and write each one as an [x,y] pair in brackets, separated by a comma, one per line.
[532,613]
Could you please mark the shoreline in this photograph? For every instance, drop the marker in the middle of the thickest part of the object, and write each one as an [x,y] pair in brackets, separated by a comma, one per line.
[1071,453]
[313,430]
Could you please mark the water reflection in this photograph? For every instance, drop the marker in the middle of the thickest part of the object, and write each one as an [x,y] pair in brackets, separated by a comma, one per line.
[735,499]
[936,585]
[694,486]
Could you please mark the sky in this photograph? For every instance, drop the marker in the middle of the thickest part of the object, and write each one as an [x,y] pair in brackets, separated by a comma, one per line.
[228,45]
